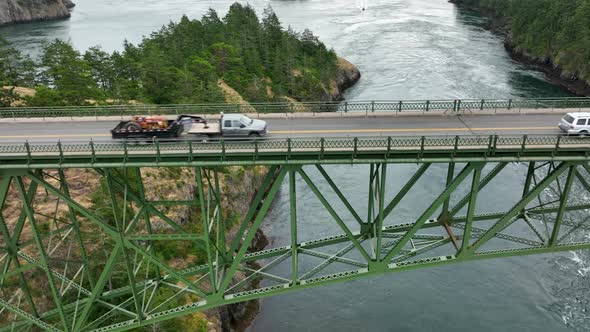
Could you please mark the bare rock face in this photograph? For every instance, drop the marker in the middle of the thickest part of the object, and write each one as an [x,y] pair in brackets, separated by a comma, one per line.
[23,11]
[347,75]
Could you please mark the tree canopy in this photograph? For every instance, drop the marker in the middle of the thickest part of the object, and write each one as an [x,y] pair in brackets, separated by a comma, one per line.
[182,63]
[548,29]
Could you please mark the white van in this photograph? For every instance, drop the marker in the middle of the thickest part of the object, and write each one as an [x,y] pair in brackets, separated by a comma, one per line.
[575,123]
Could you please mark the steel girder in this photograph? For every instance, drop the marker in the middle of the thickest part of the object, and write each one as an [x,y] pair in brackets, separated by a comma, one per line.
[67,265]
[295,151]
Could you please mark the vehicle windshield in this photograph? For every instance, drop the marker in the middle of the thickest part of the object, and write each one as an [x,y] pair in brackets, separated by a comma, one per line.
[568,118]
[246,120]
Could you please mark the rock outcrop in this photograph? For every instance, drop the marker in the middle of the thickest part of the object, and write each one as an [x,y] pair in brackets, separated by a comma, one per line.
[346,76]
[23,11]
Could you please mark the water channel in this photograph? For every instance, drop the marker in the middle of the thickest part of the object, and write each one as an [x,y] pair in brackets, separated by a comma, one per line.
[405,49]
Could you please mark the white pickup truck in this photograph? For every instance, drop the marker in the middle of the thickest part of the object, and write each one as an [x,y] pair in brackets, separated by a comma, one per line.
[230,125]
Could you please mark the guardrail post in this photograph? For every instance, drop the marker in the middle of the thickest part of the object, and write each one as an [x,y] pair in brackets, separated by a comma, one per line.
[458,105]
[388,147]
[509,103]
[288,148]
[28,148]
[372,106]
[222,149]
[125,152]
[190,151]
[356,142]
[524,138]
[482,103]
[455,105]
[558,141]
[427,105]
[495,143]
[422,141]
[92,151]
[399,107]
[321,148]
[255,149]
[345,107]
[61,152]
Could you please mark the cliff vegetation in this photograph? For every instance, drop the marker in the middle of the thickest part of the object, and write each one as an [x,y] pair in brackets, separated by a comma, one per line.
[189,61]
[555,34]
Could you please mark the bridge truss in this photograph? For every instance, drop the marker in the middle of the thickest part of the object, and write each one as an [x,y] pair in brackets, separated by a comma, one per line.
[67,265]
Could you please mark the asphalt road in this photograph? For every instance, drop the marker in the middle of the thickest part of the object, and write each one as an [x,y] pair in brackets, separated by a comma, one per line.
[73,131]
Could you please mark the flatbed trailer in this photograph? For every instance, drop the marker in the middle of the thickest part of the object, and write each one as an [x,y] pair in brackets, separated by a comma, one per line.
[153,127]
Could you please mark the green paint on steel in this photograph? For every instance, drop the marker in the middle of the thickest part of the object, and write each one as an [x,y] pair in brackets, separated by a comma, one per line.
[471,105]
[396,245]
[301,151]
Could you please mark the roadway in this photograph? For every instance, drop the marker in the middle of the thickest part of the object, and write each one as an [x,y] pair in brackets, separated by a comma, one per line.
[541,124]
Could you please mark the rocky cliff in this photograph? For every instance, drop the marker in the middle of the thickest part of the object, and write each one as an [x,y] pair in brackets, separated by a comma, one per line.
[22,11]
[346,76]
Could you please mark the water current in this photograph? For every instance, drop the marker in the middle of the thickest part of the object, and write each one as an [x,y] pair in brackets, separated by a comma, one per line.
[405,49]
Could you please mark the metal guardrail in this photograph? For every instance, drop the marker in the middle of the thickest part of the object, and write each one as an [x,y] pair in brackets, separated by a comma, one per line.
[315,107]
[287,147]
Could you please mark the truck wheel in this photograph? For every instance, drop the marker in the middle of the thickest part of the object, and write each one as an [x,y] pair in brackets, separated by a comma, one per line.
[583,133]
[254,135]
[131,126]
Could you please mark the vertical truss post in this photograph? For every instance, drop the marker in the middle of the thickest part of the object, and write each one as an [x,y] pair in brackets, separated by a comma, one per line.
[119,216]
[529,178]
[266,183]
[431,209]
[220,221]
[12,246]
[445,210]
[404,190]
[251,232]
[486,180]
[146,214]
[470,210]
[370,204]
[42,254]
[518,207]
[76,227]
[293,212]
[381,207]
[205,221]
[333,213]
[98,288]
[562,204]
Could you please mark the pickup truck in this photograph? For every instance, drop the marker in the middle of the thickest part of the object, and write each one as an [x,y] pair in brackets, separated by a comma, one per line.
[229,125]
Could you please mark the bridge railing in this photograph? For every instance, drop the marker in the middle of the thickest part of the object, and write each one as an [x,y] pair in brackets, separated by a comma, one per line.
[366,107]
[258,148]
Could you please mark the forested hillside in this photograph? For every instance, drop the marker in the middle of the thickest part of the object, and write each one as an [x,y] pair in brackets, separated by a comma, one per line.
[183,62]
[552,32]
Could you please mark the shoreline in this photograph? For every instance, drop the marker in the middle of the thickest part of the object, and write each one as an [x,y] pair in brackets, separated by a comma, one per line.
[554,74]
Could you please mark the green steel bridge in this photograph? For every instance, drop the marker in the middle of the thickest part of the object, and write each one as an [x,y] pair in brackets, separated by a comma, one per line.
[52,279]
[69,266]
